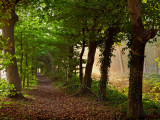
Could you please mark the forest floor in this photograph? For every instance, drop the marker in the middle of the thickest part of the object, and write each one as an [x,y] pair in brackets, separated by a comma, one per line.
[47,102]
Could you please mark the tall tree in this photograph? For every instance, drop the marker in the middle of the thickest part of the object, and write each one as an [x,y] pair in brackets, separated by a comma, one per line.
[81,58]
[89,65]
[8,34]
[140,37]
[106,60]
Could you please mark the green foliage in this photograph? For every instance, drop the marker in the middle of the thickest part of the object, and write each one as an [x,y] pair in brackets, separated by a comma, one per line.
[158,60]
[71,86]
[95,85]
[5,59]
[151,107]
[6,90]
[3,87]
[116,96]
[151,87]
[123,107]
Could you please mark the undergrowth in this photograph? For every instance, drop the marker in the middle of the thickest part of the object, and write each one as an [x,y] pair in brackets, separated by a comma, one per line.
[117,95]
[4,93]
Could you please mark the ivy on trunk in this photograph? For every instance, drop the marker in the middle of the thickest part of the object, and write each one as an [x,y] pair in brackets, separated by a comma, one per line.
[106,61]
[140,37]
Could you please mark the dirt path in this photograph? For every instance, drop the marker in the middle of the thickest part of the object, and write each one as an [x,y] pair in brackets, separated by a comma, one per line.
[50,103]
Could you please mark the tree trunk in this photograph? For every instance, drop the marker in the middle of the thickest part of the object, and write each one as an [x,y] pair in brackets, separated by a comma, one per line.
[135,109]
[70,60]
[140,37]
[120,60]
[88,71]
[27,73]
[81,63]
[21,60]
[105,65]
[24,78]
[12,69]
[106,61]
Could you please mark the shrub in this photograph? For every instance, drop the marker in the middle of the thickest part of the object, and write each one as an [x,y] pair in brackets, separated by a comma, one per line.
[123,107]
[151,107]
[3,87]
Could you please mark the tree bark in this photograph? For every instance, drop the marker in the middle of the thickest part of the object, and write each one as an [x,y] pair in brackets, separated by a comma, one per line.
[27,73]
[70,60]
[140,37]
[21,60]
[106,61]
[88,71]
[135,109]
[105,65]
[24,78]
[12,69]
[81,63]
[81,60]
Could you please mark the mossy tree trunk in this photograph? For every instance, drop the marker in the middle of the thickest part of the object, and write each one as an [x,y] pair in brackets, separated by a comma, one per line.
[12,69]
[106,61]
[140,37]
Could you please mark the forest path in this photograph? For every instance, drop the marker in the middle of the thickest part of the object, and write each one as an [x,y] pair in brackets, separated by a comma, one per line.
[52,103]
[47,102]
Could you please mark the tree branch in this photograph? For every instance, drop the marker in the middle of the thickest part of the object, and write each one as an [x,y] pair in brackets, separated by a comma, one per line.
[147,35]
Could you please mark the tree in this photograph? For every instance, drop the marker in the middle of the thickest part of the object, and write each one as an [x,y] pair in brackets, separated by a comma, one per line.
[79,22]
[81,58]
[8,34]
[140,37]
[106,60]
[86,85]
